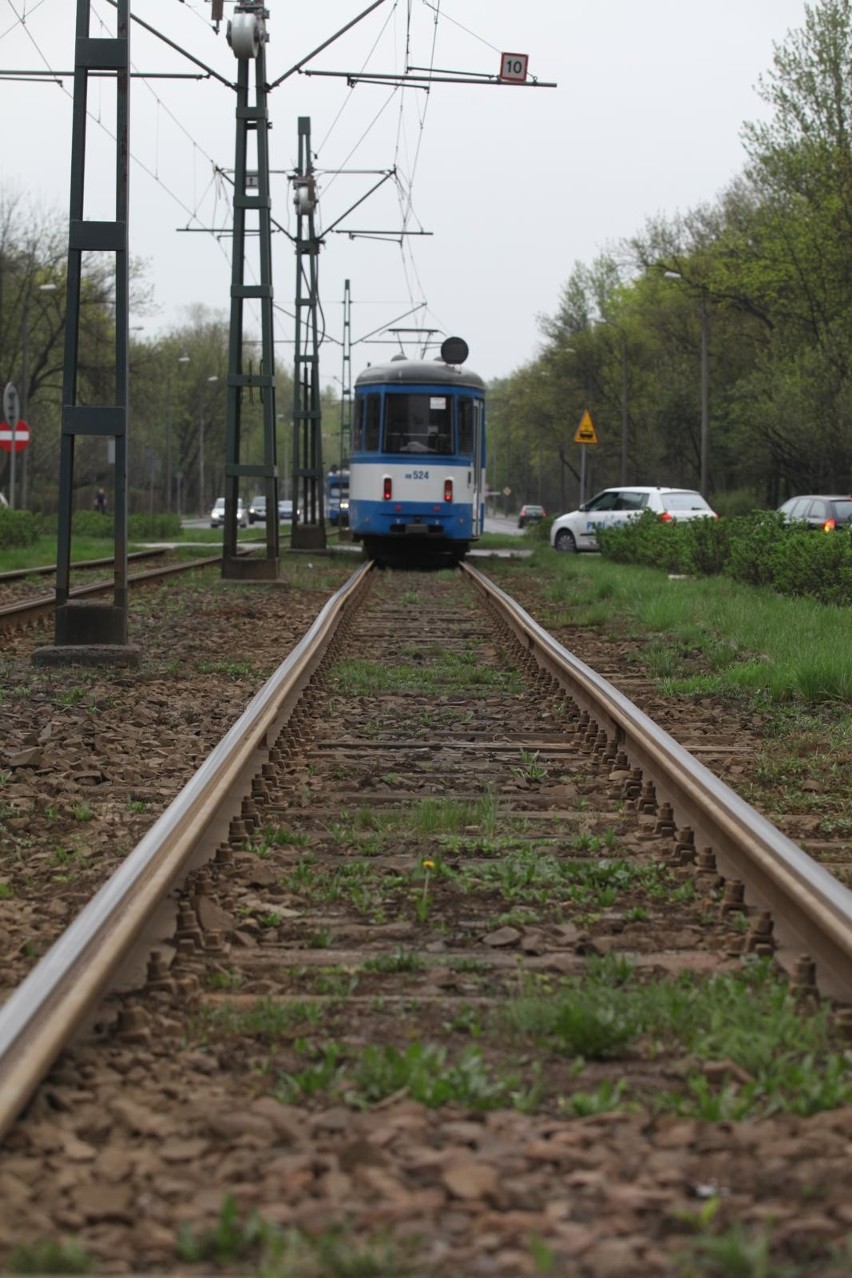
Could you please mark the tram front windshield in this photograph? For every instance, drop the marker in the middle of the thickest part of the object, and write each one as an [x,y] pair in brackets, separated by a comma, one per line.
[418,424]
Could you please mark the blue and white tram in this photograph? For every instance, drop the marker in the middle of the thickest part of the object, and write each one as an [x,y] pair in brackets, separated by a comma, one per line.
[417,463]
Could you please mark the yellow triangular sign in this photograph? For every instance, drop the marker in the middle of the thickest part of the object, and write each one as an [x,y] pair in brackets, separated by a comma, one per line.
[586,430]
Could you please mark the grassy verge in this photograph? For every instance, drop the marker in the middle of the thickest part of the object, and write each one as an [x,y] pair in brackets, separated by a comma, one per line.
[784,662]
[749,639]
[502,541]
[204,541]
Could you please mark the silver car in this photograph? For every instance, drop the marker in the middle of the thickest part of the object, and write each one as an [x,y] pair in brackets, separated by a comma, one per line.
[615,507]
[217,514]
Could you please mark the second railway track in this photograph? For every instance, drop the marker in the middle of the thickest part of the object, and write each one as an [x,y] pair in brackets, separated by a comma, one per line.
[402,1004]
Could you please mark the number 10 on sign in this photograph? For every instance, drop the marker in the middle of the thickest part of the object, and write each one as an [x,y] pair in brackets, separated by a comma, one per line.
[513,67]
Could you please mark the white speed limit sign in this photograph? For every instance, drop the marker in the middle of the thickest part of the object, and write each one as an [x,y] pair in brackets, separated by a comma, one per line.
[513,67]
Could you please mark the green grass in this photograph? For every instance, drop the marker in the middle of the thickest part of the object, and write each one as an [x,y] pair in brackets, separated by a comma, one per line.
[258,1246]
[264,1020]
[441,672]
[43,552]
[402,961]
[756,642]
[50,1257]
[734,1250]
[787,660]
[233,669]
[424,1071]
[533,877]
[453,822]
[502,541]
[784,1062]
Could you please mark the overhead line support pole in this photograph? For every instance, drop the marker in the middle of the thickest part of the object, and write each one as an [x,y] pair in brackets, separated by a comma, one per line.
[308,528]
[82,627]
[247,36]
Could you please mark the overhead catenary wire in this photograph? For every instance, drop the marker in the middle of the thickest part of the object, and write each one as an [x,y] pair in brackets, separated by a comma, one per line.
[96,119]
[400,22]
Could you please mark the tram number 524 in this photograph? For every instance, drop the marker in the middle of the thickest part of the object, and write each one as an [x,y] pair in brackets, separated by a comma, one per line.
[513,67]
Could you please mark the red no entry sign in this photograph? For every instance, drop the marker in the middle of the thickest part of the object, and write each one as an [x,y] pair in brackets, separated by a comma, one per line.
[22,437]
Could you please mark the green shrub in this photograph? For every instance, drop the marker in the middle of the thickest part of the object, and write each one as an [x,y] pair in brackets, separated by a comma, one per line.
[17,527]
[756,549]
[707,545]
[540,532]
[88,523]
[753,545]
[814,564]
[647,540]
[157,527]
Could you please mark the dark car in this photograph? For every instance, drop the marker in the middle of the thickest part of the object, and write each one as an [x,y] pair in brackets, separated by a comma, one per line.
[257,510]
[530,515]
[827,514]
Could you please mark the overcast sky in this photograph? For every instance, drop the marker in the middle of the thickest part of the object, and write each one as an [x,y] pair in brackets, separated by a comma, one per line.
[514,184]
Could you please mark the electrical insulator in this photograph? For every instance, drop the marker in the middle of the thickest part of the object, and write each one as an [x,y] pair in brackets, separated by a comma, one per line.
[218,10]
[245,33]
[305,195]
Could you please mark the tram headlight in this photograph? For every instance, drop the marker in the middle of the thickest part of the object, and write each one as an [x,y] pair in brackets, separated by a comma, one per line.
[448,490]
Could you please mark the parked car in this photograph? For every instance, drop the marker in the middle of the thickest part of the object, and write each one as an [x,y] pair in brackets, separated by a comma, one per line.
[257,510]
[617,506]
[530,515]
[828,514]
[217,514]
[285,511]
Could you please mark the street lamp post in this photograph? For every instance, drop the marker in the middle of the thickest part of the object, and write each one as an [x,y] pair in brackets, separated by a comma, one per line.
[283,417]
[625,384]
[704,442]
[625,429]
[182,359]
[214,378]
[705,396]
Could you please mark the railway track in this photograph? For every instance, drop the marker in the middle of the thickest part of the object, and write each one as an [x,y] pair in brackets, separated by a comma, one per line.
[49,570]
[402,894]
[23,609]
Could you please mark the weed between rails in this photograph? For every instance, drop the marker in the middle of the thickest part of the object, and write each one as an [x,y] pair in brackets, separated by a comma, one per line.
[775,1061]
[289,1253]
[444,669]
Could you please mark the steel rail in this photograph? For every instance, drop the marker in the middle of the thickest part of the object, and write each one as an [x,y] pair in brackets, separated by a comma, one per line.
[47,570]
[59,994]
[810,908]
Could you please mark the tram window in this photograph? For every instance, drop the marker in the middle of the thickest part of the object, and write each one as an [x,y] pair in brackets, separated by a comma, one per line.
[365,436]
[466,425]
[418,424]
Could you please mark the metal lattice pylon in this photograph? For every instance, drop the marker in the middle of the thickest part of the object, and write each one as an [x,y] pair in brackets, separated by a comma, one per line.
[346,380]
[309,501]
[247,36]
[83,624]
